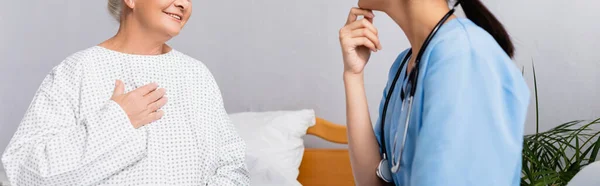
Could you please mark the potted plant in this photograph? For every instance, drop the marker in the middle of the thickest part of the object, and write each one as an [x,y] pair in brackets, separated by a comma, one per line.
[553,157]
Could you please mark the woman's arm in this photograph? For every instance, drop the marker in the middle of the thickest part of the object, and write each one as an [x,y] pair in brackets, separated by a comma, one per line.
[363,146]
[55,145]
[358,38]
[231,169]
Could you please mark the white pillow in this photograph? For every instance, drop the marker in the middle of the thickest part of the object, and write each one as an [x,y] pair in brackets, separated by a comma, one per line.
[267,173]
[274,144]
[587,176]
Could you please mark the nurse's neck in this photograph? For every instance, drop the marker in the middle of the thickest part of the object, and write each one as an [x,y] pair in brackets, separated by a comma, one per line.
[417,19]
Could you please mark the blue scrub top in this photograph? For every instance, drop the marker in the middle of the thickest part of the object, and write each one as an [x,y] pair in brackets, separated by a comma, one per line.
[468,115]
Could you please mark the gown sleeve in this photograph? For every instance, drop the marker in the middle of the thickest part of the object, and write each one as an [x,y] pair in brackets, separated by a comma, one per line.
[473,112]
[55,145]
[231,168]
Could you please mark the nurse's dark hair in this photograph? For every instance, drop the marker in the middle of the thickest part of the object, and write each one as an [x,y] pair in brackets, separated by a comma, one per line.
[482,17]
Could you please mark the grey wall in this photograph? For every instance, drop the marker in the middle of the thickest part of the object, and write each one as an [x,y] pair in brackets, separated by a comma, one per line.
[273,55]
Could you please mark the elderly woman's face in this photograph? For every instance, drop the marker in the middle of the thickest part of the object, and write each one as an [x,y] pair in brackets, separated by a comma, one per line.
[167,16]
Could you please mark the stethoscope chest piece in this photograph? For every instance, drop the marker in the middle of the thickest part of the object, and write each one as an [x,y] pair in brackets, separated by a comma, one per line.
[383,171]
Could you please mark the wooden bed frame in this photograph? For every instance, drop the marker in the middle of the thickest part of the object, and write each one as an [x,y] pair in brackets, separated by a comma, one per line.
[329,167]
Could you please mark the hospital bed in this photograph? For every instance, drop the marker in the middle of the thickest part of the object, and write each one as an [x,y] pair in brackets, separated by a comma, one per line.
[326,166]
[276,154]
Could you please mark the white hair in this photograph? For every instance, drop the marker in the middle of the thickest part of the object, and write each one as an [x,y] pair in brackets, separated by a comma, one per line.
[115,7]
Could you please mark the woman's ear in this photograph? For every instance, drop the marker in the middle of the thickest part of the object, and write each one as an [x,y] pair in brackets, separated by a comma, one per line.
[129,3]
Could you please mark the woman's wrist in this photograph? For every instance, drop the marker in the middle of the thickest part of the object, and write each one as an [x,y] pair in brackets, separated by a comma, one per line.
[353,77]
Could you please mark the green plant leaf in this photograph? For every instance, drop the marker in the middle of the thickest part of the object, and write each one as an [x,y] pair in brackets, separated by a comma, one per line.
[524,183]
[547,180]
[576,136]
[537,106]
[577,151]
[591,136]
[595,147]
[548,151]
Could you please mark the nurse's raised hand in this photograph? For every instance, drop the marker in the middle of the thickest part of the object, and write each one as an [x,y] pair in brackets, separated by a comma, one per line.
[358,39]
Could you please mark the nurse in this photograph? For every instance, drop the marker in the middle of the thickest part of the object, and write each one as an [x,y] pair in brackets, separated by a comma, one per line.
[453,109]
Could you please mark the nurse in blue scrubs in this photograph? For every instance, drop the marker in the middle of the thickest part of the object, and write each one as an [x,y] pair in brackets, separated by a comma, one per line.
[454,107]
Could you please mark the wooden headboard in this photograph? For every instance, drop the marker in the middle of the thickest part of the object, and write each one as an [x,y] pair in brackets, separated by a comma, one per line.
[328,167]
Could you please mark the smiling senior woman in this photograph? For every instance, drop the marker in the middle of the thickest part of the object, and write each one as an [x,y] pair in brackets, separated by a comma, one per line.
[101,117]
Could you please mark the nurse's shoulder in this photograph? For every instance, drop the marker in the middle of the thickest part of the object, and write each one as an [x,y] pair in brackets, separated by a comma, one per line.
[467,49]
[462,39]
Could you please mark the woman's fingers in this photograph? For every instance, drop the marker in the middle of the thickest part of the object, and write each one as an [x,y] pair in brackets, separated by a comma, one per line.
[347,30]
[366,42]
[153,116]
[361,33]
[152,107]
[369,35]
[146,89]
[157,115]
[363,23]
[155,95]
[355,12]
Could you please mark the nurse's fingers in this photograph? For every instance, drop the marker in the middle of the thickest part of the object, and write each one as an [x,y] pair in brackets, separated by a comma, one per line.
[355,12]
[363,23]
[363,41]
[368,34]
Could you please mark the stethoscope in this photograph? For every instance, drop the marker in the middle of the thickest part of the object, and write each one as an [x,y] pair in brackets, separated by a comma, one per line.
[383,170]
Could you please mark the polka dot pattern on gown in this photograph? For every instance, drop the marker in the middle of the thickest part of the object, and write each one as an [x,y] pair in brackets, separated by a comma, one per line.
[73,134]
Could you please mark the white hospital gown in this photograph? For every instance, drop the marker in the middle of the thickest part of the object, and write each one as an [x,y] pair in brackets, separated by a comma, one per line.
[72,134]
